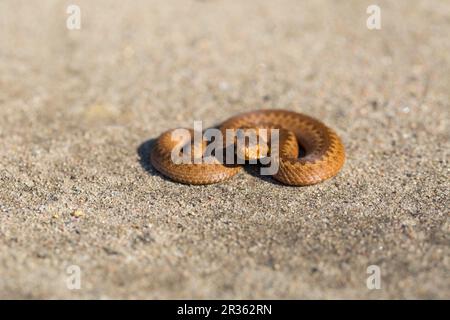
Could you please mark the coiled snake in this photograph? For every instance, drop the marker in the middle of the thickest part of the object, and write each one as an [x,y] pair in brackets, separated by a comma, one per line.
[309,151]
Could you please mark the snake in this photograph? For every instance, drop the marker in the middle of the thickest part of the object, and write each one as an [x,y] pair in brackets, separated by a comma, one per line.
[309,151]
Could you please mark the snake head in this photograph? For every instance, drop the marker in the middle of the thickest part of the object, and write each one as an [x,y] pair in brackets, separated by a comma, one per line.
[252,144]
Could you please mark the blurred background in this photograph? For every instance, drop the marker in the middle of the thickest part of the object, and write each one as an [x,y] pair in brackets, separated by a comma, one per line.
[77,107]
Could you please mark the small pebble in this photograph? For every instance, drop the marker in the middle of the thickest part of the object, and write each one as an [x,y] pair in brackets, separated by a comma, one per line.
[77,214]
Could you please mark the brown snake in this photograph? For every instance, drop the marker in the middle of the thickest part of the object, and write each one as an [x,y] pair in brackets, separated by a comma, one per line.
[322,157]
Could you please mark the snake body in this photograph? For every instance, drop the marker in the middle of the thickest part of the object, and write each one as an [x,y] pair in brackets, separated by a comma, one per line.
[310,152]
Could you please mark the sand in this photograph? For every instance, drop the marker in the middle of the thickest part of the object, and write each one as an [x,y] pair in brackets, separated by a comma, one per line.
[79,110]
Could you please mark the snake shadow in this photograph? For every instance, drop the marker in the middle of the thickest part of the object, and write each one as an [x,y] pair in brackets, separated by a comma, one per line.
[143,152]
[255,171]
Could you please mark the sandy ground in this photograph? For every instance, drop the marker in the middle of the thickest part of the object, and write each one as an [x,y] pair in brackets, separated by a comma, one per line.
[79,107]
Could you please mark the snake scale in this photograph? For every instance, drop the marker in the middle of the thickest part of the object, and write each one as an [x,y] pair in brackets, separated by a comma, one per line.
[309,151]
